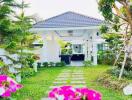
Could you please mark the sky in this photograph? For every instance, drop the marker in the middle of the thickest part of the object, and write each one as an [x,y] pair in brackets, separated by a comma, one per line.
[49,8]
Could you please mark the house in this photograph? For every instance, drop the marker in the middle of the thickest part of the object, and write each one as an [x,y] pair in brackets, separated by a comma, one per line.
[79,30]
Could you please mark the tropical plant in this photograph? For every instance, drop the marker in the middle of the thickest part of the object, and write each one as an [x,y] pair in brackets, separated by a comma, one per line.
[118,14]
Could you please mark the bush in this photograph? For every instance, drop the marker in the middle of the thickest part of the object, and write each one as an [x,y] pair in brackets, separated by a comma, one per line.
[116,72]
[38,65]
[51,64]
[60,64]
[109,81]
[27,72]
[106,57]
[87,63]
[128,64]
[45,64]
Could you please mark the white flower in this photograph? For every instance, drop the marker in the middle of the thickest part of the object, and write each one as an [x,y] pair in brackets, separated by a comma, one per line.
[2,90]
[60,97]
[73,89]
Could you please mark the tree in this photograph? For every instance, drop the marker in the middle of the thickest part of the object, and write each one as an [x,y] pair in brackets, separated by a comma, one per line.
[5,21]
[14,29]
[22,36]
[119,14]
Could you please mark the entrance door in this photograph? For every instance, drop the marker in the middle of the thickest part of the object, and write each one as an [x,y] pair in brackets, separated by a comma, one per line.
[77,52]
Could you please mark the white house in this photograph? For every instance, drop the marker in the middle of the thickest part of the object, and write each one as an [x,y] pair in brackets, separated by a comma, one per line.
[80,30]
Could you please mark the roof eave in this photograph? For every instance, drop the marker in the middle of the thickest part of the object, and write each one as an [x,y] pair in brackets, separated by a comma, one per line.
[66,28]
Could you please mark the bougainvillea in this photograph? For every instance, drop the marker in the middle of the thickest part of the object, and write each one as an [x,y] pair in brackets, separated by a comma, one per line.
[70,93]
[8,86]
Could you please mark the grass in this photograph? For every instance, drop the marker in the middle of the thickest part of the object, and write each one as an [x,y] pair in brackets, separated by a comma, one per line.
[35,87]
[91,73]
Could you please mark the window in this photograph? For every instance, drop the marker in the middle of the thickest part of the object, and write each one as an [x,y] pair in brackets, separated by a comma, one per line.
[100,46]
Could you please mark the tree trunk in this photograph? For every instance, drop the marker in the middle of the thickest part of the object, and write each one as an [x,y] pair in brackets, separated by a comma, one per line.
[118,56]
[123,65]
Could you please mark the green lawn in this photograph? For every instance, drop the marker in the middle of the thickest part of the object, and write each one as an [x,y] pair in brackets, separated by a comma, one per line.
[35,87]
[108,94]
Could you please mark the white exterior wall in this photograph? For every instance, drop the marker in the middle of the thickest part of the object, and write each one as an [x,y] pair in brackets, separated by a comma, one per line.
[51,50]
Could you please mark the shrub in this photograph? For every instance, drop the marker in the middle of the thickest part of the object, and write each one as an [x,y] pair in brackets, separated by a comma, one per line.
[116,72]
[38,65]
[60,64]
[128,64]
[109,81]
[45,64]
[87,63]
[27,72]
[51,64]
[106,57]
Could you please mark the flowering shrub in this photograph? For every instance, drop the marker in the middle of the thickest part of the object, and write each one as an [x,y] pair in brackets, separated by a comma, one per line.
[7,86]
[70,93]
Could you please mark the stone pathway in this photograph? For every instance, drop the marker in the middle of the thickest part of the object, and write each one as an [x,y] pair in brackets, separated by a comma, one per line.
[73,78]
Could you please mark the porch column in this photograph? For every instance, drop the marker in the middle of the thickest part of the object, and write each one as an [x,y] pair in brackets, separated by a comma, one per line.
[95,53]
[86,50]
[89,51]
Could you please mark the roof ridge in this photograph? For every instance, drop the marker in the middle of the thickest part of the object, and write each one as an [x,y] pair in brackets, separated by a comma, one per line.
[86,16]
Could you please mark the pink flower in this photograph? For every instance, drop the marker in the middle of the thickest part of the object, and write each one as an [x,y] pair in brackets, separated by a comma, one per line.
[71,93]
[9,85]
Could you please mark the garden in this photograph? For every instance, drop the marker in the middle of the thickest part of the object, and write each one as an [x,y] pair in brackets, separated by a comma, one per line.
[36,86]
[22,77]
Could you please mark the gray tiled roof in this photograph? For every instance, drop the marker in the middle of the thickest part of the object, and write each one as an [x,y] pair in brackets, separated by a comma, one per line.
[68,19]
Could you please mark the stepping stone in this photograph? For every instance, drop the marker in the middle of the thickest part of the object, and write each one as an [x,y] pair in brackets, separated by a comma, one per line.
[79,86]
[78,82]
[52,87]
[77,71]
[60,82]
[61,79]
[79,76]
[66,71]
[77,79]
[75,86]
[63,76]
[45,99]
